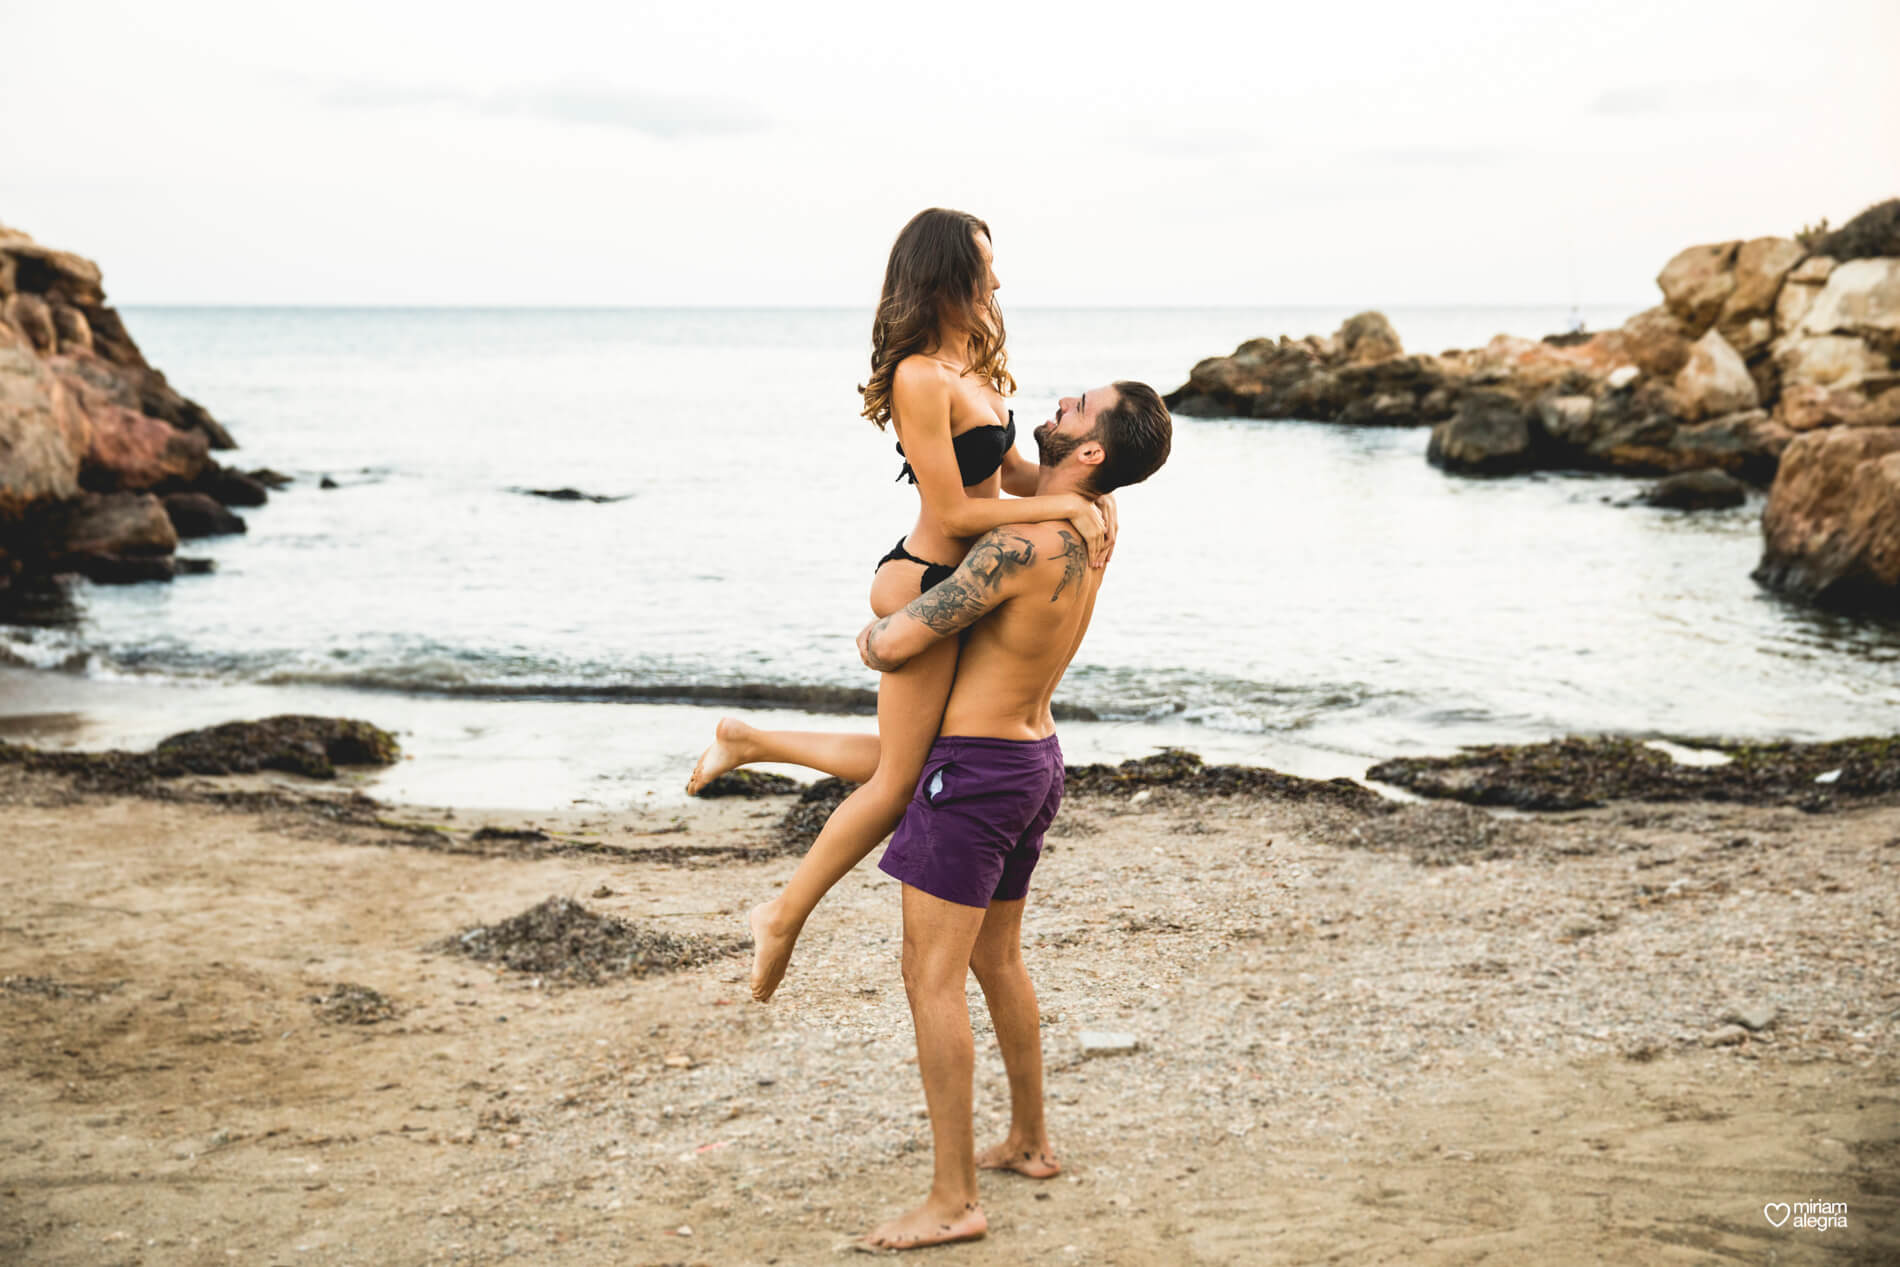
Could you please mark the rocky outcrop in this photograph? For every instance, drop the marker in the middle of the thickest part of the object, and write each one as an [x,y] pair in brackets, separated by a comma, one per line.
[1758,346]
[85,423]
[1832,526]
[1754,342]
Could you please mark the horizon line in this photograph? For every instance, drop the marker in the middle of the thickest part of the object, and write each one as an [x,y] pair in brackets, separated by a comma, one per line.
[292,306]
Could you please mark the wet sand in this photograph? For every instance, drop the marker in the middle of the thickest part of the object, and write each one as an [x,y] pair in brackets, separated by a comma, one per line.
[1434,1036]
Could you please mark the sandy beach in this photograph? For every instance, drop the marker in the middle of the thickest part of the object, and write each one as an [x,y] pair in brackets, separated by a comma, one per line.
[1429,1036]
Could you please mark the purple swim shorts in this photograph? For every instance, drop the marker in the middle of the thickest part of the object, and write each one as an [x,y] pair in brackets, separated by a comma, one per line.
[973,830]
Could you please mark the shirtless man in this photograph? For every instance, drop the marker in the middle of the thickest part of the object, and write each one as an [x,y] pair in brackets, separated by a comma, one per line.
[973,830]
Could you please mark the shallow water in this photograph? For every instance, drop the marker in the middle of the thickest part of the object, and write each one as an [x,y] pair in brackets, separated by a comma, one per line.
[1279,587]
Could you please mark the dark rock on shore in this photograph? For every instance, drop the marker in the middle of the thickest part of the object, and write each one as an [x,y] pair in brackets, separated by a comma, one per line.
[1583,773]
[1697,490]
[570,495]
[196,515]
[310,746]
[1492,435]
[233,488]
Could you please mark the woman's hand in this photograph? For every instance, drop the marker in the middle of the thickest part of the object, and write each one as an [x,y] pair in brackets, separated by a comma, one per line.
[1106,504]
[1093,525]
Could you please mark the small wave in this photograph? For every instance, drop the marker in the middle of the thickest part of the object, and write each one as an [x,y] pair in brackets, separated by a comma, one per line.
[42,649]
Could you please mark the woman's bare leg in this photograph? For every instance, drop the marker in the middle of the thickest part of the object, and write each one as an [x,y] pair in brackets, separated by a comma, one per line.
[848,756]
[910,706]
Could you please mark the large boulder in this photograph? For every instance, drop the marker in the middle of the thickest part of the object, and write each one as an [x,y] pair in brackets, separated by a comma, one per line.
[1761,266]
[1491,435]
[1698,282]
[1715,381]
[1657,342]
[114,538]
[60,276]
[117,524]
[131,450]
[1800,290]
[1832,527]
[32,317]
[1367,338]
[43,434]
[1862,297]
[1827,360]
[1810,406]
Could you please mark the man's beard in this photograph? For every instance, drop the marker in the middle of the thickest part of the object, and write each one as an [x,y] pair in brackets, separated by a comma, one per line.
[1052,447]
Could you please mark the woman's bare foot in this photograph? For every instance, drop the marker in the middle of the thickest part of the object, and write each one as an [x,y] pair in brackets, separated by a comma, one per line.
[929,1224]
[771,950]
[1036,1161]
[729,750]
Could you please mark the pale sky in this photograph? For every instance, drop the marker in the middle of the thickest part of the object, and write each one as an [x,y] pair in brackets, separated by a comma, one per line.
[1387,152]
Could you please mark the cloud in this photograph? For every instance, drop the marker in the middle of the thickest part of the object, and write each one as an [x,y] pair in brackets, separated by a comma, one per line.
[666,118]
[1637,100]
[1439,155]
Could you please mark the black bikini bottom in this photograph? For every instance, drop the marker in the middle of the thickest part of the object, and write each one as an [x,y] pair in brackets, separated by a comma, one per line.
[934,573]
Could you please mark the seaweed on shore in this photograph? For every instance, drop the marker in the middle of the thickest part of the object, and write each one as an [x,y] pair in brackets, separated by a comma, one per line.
[1185,771]
[1577,772]
[310,746]
[749,784]
[802,822]
[561,940]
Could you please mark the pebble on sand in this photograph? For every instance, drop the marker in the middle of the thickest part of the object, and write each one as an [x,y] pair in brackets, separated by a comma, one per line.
[1097,1042]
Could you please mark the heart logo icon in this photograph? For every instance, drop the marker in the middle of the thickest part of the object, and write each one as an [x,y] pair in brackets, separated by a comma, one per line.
[1769,1212]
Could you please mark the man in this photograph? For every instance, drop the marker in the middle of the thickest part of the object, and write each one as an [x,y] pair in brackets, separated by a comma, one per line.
[973,830]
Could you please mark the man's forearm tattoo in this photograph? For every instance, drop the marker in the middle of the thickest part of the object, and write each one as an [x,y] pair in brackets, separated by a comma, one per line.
[972,589]
[1075,558]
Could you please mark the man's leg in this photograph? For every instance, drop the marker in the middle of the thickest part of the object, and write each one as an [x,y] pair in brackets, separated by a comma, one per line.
[998,961]
[938,937]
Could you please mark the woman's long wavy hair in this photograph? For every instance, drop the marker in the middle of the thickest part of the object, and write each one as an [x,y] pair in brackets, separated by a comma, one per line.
[932,280]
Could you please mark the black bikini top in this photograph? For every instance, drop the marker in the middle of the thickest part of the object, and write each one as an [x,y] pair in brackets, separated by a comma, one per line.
[980,451]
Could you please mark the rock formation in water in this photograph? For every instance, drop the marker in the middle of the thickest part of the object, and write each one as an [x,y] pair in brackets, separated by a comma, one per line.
[1759,350]
[92,438]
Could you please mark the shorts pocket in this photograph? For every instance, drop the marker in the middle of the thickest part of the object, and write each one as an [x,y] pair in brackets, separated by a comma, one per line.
[933,785]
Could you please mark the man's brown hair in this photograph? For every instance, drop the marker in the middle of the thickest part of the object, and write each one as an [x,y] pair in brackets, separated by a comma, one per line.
[1135,436]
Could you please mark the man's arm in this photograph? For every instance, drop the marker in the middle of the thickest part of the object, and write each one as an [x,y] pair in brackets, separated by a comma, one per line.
[992,572]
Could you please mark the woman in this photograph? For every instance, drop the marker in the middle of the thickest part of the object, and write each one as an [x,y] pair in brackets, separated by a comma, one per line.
[939,374]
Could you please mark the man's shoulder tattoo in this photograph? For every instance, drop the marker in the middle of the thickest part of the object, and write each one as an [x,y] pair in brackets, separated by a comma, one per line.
[1075,557]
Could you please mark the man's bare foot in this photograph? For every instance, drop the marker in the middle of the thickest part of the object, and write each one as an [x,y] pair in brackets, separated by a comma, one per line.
[771,951]
[726,752]
[1038,1162]
[929,1224]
